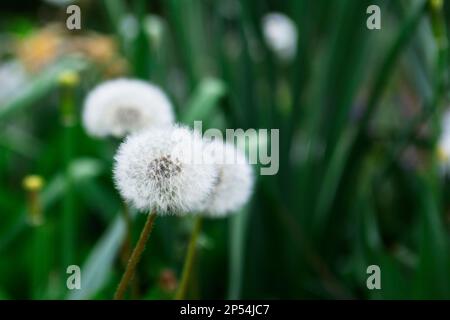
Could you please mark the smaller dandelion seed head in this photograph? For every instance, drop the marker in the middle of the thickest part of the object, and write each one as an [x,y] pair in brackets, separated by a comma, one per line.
[123,106]
[234,183]
[154,169]
[280,34]
[126,117]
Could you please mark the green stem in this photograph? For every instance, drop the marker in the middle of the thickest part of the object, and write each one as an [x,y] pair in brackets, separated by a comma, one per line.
[189,261]
[141,45]
[68,209]
[38,267]
[135,257]
[68,120]
[126,248]
[237,247]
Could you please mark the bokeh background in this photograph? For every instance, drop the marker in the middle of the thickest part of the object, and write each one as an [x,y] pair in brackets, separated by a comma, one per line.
[362,177]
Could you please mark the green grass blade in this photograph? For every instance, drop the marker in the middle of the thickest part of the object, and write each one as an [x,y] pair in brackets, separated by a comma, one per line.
[98,266]
[81,169]
[40,86]
[237,238]
[204,100]
[351,136]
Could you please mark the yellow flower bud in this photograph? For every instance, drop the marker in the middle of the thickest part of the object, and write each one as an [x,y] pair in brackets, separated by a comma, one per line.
[436,4]
[69,78]
[33,183]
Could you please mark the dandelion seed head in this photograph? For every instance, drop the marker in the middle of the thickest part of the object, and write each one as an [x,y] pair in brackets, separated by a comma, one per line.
[280,34]
[234,184]
[154,169]
[122,106]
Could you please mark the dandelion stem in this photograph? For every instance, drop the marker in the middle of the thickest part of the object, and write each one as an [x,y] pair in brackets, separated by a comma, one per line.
[126,248]
[33,185]
[68,81]
[237,248]
[189,261]
[135,257]
[38,272]
[38,266]
[68,206]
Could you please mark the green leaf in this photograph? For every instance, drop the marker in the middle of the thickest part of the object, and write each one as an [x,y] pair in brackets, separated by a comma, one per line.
[98,265]
[40,86]
[237,238]
[205,98]
[432,278]
[115,10]
[351,136]
[81,169]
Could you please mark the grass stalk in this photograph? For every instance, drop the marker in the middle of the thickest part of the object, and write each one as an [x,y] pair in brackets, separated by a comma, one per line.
[354,137]
[126,247]
[68,81]
[237,248]
[189,261]
[33,185]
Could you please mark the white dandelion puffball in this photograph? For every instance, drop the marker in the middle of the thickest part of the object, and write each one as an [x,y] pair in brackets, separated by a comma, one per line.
[235,180]
[122,106]
[280,34]
[157,170]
